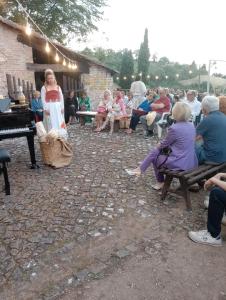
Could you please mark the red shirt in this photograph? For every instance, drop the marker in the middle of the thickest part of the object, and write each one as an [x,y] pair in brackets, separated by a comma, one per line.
[166,102]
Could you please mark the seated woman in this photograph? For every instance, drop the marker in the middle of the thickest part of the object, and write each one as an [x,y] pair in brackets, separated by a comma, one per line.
[142,109]
[71,106]
[116,109]
[102,110]
[180,140]
[84,105]
[37,107]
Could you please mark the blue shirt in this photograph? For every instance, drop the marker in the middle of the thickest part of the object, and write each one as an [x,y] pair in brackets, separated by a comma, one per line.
[213,131]
[145,105]
[36,104]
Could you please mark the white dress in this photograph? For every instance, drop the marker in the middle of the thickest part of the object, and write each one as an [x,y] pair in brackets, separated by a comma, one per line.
[53,102]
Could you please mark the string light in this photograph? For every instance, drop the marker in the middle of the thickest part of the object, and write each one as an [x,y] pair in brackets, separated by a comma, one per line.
[117,78]
[190,71]
[177,75]
[124,77]
[133,76]
[156,77]
[166,76]
[28,29]
[148,76]
[57,57]
[47,47]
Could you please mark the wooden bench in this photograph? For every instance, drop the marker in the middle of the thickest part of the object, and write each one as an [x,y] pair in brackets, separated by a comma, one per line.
[4,159]
[83,114]
[92,114]
[188,178]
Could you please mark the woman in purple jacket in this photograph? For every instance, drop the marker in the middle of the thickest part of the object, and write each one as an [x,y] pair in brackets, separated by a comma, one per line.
[180,139]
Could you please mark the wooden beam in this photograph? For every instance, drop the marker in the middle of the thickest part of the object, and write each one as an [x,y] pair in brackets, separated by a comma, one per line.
[55,67]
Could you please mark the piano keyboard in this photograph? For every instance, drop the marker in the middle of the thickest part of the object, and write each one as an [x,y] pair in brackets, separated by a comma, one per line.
[14,130]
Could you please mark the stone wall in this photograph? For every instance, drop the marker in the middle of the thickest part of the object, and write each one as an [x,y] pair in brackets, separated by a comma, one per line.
[13,58]
[96,82]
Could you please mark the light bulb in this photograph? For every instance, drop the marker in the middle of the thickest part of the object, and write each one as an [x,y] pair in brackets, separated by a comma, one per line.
[166,77]
[64,62]
[47,47]
[156,77]
[28,29]
[57,57]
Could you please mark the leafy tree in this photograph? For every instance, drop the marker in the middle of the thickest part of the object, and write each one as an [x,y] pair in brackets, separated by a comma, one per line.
[58,19]
[143,57]
[127,69]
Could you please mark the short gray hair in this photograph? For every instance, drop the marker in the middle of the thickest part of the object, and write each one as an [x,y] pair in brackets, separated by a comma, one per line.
[181,112]
[210,103]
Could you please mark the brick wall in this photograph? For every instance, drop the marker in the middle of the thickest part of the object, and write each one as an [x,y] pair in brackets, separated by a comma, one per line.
[96,82]
[13,58]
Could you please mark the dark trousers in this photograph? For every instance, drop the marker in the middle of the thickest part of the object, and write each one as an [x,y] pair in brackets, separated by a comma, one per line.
[134,121]
[217,207]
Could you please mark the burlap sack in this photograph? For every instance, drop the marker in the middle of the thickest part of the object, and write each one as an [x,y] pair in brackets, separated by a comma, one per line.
[56,152]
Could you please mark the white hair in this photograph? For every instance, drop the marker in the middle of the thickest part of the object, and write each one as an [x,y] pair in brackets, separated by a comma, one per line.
[210,103]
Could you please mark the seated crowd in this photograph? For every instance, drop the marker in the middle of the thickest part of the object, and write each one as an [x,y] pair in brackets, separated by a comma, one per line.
[196,136]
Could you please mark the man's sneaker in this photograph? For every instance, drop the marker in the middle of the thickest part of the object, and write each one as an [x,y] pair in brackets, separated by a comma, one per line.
[224,219]
[206,202]
[204,237]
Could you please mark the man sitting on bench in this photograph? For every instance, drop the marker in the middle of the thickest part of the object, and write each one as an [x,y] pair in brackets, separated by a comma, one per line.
[211,133]
[216,209]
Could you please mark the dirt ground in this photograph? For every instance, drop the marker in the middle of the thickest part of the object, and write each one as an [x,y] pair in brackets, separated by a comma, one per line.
[91,232]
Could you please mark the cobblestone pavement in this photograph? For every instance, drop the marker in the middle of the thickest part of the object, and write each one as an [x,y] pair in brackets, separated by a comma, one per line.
[60,229]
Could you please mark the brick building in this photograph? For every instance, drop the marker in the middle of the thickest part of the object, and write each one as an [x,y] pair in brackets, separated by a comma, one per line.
[23,60]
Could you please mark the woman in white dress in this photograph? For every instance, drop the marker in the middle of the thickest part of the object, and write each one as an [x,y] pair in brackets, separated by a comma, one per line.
[53,105]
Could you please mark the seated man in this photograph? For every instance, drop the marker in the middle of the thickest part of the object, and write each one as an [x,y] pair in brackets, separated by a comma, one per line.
[142,109]
[211,141]
[193,103]
[159,106]
[216,209]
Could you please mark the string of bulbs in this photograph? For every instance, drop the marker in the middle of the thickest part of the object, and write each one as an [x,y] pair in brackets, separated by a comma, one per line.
[66,62]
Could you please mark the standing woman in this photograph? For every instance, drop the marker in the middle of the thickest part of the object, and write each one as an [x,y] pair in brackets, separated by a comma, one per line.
[53,105]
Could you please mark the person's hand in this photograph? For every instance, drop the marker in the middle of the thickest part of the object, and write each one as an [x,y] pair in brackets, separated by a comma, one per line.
[208,184]
[140,109]
[218,176]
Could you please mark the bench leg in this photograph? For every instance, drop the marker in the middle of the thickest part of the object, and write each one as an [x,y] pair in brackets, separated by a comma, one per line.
[166,186]
[82,120]
[186,193]
[6,179]
[116,125]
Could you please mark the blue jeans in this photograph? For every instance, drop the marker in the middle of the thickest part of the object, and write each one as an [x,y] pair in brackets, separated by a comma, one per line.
[200,153]
[217,207]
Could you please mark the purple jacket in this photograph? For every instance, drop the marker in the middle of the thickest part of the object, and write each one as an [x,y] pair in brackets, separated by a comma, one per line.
[181,139]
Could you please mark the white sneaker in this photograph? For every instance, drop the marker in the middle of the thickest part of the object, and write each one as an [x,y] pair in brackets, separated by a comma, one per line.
[132,172]
[224,220]
[206,202]
[204,237]
[158,186]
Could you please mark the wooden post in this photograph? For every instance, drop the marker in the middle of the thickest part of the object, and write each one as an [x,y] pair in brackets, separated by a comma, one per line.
[15,92]
[9,85]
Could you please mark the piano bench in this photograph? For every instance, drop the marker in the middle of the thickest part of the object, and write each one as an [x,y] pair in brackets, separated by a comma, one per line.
[4,159]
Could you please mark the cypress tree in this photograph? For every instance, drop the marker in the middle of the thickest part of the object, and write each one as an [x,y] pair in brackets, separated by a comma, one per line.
[143,57]
[127,69]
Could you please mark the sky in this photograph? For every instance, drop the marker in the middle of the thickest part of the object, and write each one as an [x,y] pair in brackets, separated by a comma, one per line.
[182,30]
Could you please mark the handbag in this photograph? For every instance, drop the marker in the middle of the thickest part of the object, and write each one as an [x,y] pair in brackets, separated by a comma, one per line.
[101,109]
[163,151]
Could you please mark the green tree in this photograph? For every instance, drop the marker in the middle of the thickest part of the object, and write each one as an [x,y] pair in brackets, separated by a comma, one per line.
[127,69]
[61,20]
[143,57]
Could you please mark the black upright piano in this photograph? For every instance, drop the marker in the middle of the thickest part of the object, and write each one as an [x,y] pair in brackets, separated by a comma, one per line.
[19,123]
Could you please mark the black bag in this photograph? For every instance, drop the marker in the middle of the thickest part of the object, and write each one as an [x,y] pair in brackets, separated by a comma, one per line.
[163,151]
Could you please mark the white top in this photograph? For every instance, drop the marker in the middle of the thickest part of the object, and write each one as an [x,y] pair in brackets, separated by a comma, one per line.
[195,107]
[138,88]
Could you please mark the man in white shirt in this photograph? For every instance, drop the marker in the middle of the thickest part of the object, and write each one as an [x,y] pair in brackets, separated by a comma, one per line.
[138,89]
[193,103]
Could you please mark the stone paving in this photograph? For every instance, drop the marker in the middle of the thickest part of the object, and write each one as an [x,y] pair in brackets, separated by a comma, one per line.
[61,228]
